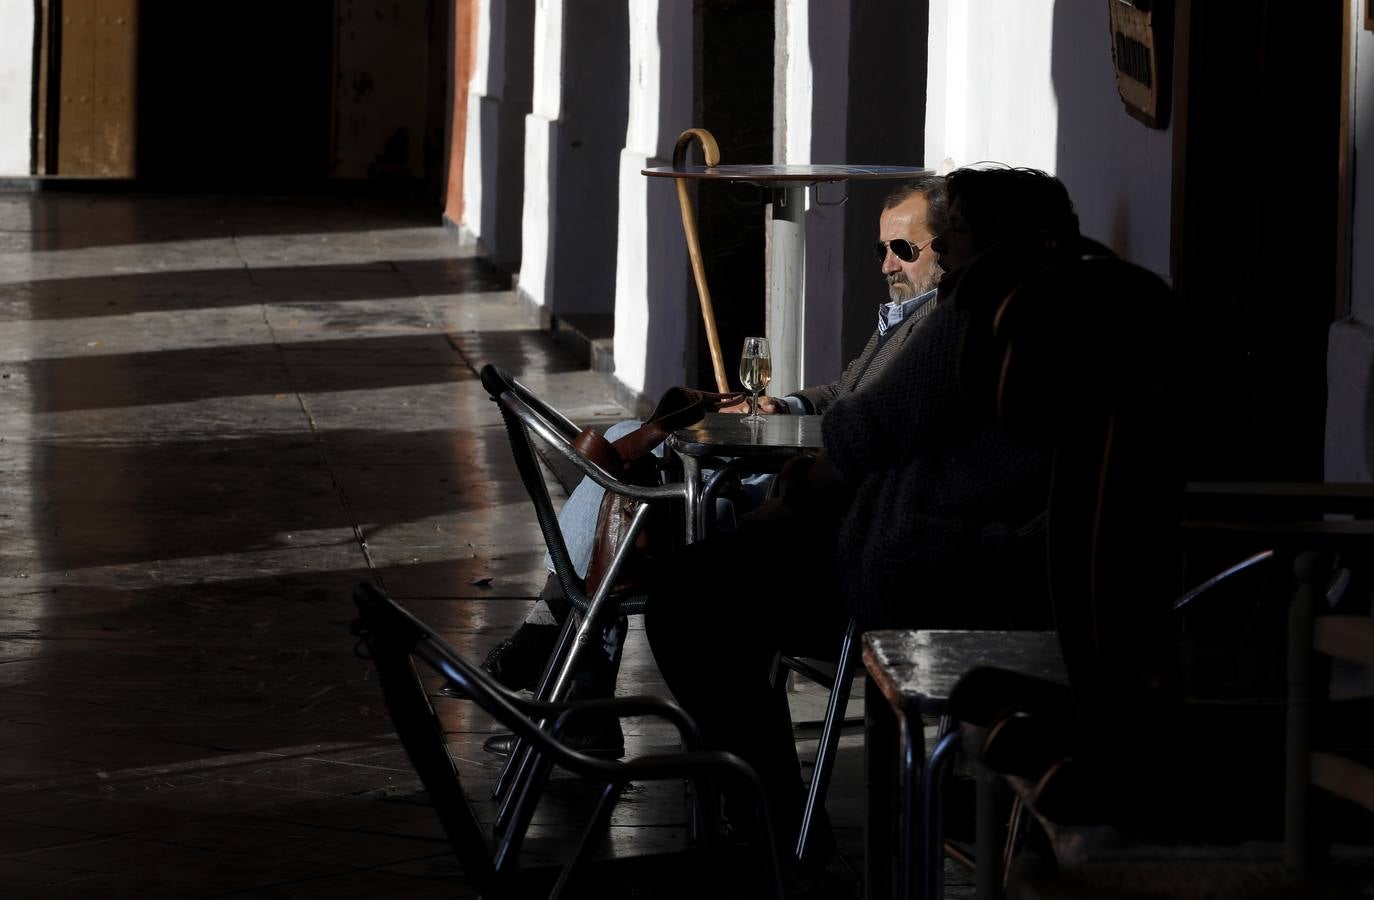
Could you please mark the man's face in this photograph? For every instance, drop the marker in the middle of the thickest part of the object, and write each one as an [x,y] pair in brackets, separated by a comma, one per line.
[907,221]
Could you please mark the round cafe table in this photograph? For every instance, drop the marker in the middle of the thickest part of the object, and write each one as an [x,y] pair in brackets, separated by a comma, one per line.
[785,216]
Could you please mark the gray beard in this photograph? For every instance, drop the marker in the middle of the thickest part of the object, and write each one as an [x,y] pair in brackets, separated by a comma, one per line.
[901,291]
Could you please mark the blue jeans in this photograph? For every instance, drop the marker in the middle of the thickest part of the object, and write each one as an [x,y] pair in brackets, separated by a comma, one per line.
[577,519]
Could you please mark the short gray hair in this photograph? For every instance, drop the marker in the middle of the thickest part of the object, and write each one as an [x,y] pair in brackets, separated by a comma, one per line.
[937,202]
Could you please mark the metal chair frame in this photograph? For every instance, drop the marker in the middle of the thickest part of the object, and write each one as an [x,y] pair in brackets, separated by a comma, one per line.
[524,414]
[396,640]
[840,685]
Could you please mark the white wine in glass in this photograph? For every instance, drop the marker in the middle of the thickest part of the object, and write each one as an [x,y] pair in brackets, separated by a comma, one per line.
[755,371]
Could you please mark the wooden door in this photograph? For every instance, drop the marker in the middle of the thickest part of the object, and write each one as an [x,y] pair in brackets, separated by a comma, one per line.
[89,107]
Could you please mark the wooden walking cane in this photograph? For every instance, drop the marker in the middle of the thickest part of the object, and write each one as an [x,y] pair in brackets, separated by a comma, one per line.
[711,155]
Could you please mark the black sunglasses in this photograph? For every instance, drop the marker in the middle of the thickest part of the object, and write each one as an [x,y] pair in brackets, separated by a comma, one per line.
[901,248]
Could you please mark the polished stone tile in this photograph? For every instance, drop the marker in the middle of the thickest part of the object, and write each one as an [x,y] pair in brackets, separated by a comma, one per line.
[359,318]
[95,336]
[97,262]
[61,299]
[217,416]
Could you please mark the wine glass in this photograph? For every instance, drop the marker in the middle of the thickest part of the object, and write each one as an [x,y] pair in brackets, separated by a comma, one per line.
[755,370]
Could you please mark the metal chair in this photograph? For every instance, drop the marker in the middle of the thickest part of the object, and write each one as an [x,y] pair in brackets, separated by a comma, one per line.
[1030,747]
[526,417]
[396,641]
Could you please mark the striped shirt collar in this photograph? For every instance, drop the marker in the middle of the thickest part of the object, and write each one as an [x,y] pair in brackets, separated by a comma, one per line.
[892,314]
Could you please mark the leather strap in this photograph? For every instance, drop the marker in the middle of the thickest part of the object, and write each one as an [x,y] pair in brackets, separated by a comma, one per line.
[678,408]
[594,447]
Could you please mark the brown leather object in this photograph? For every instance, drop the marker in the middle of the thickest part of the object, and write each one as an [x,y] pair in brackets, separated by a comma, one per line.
[631,459]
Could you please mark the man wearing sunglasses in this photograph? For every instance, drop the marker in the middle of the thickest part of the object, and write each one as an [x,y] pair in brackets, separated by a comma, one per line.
[913,215]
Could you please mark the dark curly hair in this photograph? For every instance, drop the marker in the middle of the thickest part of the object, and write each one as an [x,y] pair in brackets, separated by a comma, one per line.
[997,203]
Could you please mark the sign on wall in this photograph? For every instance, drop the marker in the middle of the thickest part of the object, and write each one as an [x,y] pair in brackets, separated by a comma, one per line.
[1140,53]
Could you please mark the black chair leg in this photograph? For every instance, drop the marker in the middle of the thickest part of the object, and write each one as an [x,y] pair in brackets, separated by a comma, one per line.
[931,879]
[515,761]
[601,816]
[829,742]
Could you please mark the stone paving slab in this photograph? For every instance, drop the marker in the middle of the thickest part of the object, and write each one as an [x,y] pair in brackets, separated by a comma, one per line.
[218,415]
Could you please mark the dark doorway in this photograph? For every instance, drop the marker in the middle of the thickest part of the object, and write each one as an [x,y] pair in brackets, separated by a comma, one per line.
[237,93]
[1256,200]
[887,114]
[734,101]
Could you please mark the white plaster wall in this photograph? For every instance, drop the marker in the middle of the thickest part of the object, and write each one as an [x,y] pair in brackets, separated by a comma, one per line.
[479,86]
[811,113]
[547,94]
[990,96]
[652,300]
[792,83]
[535,221]
[16,85]
[1031,84]
[499,100]
[536,218]
[1350,356]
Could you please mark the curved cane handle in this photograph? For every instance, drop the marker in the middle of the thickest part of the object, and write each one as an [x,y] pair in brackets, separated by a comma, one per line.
[711,153]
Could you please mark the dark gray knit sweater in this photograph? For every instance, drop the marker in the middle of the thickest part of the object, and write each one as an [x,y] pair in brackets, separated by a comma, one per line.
[865,368]
[937,490]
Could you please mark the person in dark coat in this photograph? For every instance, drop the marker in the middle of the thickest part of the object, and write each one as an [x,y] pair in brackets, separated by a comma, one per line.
[916,497]
[913,215]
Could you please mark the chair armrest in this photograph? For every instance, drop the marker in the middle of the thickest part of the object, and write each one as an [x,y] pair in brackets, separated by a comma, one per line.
[560,444]
[1223,576]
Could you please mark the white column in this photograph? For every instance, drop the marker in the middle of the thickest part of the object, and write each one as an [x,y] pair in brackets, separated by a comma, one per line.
[786,275]
[991,93]
[652,297]
[573,137]
[806,239]
[483,82]
[498,102]
[540,135]
[16,85]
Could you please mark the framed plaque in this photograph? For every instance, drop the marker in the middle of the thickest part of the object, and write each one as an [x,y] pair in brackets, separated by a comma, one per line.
[1141,38]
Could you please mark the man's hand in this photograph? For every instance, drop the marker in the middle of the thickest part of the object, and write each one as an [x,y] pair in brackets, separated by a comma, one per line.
[767,405]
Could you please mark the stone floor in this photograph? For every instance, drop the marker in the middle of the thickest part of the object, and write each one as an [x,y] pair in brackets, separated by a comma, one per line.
[217,414]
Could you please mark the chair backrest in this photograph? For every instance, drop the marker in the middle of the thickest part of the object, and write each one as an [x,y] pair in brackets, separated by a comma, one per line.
[392,637]
[396,642]
[1083,365]
[520,410]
